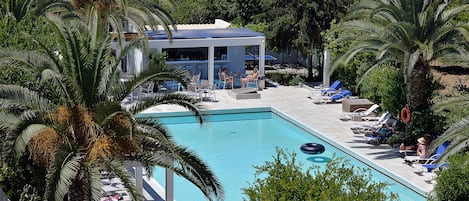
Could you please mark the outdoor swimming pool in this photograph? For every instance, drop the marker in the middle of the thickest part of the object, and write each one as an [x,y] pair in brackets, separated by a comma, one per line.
[233,141]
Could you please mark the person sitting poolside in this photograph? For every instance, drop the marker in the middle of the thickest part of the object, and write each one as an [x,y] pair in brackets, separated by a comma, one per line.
[251,77]
[422,152]
[422,148]
[384,133]
[226,77]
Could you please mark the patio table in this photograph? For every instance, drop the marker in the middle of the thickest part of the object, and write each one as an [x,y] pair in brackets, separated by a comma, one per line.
[350,105]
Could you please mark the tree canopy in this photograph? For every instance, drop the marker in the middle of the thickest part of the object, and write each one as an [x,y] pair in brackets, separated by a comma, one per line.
[408,35]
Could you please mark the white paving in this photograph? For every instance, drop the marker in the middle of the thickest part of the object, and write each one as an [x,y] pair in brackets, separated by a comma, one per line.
[323,118]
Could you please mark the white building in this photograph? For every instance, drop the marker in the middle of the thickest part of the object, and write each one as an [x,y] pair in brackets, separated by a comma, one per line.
[204,48]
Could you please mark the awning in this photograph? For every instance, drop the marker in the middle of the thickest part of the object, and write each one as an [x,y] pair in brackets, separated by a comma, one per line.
[248,57]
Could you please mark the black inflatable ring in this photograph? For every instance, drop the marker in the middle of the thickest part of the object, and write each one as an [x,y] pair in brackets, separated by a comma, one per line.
[312,148]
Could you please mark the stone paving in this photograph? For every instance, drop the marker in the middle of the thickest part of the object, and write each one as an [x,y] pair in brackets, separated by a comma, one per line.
[323,118]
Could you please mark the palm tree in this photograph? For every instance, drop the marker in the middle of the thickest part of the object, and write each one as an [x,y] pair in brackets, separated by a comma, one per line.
[76,127]
[457,133]
[107,15]
[115,15]
[410,35]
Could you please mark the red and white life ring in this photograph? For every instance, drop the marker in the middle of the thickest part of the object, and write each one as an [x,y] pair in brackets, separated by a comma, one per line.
[405,114]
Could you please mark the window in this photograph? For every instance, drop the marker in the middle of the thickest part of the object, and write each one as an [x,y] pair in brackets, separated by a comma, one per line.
[199,53]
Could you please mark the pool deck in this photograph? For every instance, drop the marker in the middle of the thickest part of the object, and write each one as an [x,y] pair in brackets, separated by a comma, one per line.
[323,118]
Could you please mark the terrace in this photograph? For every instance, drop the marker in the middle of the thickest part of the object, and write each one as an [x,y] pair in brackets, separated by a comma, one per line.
[322,118]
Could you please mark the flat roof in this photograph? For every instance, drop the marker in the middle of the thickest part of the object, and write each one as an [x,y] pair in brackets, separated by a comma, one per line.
[204,33]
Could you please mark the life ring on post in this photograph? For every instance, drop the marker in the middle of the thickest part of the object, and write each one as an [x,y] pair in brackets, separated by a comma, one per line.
[405,114]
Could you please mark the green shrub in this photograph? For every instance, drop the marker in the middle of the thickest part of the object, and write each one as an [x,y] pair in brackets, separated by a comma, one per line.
[285,78]
[296,80]
[451,183]
[283,179]
[385,86]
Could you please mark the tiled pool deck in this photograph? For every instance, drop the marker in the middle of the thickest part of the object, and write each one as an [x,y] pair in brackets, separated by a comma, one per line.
[323,118]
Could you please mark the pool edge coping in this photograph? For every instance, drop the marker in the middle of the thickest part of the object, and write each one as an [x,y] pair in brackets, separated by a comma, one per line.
[379,168]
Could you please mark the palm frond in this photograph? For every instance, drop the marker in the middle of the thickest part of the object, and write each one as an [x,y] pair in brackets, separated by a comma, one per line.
[118,168]
[191,167]
[30,60]
[61,174]
[457,134]
[8,121]
[25,97]
[23,139]
[460,100]
[182,100]
[92,183]
[187,165]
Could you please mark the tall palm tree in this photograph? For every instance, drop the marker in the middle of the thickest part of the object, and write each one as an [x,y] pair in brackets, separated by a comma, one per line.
[409,34]
[115,15]
[76,127]
[107,15]
[457,133]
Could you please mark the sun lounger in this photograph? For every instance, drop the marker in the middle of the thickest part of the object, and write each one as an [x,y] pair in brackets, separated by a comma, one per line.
[363,113]
[338,97]
[244,93]
[368,127]
[439,151]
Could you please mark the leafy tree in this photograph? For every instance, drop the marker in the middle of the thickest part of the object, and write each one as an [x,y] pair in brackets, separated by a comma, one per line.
[83,129]
[19,32]
[298,24]
[451,182]
[189,12]
[244,10]
[385,86]
[201,11]
[408,35]
[284,179]
[16,8]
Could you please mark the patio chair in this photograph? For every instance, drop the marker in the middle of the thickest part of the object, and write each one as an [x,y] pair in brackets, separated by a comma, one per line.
[369,127]
[360,112]
[223,81]
[147,89]
[438,152]
[194,92]
[195,79]
[334,98]
[335,86]
[252,82]
[207,91]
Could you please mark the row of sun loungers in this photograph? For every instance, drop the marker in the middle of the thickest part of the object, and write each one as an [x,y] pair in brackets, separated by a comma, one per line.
[365,121]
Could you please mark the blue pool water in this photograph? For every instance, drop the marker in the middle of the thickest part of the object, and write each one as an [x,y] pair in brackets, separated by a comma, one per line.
[231,144]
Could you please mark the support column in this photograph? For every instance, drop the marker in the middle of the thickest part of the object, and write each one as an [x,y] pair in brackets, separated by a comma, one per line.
[262,58]
[139,179]
[211,63]
[325,75]
[169,185]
